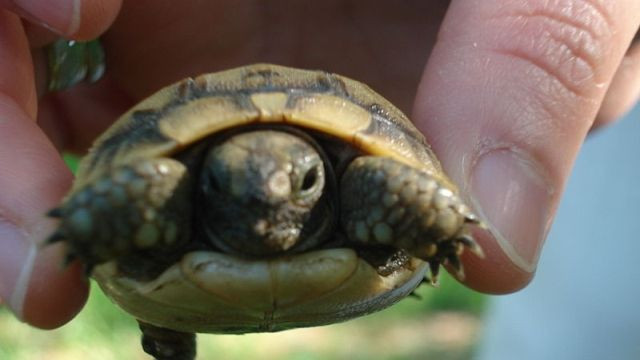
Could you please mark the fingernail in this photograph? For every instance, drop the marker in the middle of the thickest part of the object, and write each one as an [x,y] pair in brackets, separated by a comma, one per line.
[62,17]
[516,201]
[17,257]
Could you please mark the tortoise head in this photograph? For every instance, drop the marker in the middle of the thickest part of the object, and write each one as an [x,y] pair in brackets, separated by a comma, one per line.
[264,193]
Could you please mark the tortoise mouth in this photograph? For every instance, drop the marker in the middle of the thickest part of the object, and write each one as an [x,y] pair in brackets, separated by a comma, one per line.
[148,265]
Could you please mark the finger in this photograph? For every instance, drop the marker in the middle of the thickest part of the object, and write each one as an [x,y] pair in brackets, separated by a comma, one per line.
[16,69]
[33,178]
[624,90]
[508,95]
[38,36]
[76,19]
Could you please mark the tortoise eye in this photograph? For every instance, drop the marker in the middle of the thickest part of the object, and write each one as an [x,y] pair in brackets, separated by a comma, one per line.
[310,179]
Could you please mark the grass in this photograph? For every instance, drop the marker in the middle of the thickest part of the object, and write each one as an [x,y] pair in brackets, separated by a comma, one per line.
[440,324]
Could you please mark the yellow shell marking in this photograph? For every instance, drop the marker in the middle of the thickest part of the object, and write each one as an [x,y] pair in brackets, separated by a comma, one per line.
[270,105]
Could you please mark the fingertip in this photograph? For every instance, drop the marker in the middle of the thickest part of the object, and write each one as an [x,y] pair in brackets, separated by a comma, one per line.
[495,273]
[74,19]
[516,201]
[95,18]
[55,294]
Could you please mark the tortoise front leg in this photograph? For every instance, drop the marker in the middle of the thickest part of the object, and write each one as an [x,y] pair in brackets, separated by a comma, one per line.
[165,344]
[386,202]
[132,207]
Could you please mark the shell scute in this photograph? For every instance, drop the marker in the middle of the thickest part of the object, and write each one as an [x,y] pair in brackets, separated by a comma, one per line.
[194,108]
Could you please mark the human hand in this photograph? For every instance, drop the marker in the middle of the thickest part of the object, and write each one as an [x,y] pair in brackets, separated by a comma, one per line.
[33,177]
[506,99]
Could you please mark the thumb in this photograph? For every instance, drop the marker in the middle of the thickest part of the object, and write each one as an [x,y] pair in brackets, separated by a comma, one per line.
[507,98]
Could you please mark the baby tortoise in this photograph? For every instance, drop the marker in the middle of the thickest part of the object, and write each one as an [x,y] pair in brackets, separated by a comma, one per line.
[261,198]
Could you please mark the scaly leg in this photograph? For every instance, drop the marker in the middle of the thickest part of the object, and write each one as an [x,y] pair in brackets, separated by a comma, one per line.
[389,203]
[133,207]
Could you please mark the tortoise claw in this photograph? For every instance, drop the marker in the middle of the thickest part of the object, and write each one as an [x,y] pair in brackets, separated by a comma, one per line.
[455,263]
[55,213]
[88,269]
[54,238]
[473,219]
[69,258]
[472,245]
[434,268]
[72,256]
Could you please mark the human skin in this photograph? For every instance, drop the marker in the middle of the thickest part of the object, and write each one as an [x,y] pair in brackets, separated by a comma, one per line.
[504,91]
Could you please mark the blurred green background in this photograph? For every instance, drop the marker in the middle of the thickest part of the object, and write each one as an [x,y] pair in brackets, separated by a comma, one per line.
[444,324]
[441,323]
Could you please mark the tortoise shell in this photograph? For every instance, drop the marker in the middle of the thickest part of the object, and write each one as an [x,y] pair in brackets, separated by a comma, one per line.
[209,291]
[183,113]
